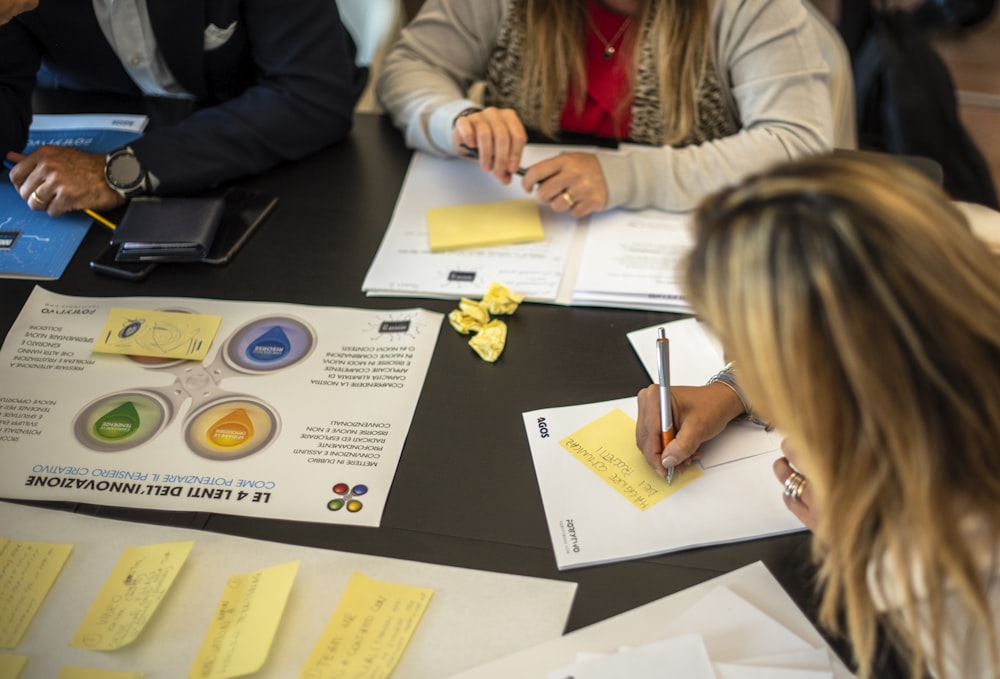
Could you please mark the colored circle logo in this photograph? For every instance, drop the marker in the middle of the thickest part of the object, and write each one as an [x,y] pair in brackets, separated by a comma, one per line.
[121,421]
[231,428]
[348,497]
[269,344]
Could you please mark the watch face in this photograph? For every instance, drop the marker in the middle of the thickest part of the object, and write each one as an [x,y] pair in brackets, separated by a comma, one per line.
[124,171]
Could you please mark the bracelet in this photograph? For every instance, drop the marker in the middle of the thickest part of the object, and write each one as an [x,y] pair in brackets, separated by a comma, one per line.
[727,377]
[465,112]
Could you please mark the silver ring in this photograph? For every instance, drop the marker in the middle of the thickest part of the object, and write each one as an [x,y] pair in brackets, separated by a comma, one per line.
[35,197]
[795,485]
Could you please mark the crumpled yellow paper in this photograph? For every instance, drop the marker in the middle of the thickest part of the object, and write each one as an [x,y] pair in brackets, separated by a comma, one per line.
[490,341]
[499,300]
[470,316]
[490,336]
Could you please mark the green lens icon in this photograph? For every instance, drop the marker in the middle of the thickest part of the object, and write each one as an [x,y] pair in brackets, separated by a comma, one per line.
[121,421]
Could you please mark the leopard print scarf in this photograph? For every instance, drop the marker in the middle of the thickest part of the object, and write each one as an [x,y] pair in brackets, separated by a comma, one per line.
[503,83]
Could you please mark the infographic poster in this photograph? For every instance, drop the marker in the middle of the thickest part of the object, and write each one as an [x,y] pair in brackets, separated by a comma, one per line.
[296,412]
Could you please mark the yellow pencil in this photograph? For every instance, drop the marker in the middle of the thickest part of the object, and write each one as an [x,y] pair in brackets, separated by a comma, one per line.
[111,225]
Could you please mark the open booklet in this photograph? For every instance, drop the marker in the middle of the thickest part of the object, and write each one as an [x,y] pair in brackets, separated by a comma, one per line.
[602,501]
[33,244]
[619,258]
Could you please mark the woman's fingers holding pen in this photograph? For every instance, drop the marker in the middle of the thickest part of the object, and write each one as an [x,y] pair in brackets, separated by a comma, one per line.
[569,182]
[699,414]
[499,137]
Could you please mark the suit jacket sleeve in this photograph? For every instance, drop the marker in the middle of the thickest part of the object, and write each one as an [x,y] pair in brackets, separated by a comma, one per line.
[302,101]
[19,62]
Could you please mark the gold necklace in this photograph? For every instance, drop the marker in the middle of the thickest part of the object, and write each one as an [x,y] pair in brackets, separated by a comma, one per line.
[609,45]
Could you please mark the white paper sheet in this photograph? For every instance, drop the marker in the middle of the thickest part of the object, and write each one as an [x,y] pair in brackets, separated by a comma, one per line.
[473,617]
[740,500]
[645,624]
[631,258]
[619,258]
[325,397]
[685,655]
[405,266]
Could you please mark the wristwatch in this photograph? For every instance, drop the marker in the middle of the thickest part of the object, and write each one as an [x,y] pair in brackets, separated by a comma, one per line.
[124,173]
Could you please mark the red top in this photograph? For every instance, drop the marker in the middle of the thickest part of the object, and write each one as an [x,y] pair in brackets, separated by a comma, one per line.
[607,79]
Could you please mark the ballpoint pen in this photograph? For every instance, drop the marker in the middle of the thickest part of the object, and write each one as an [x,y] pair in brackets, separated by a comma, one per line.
[666,415]
[474,152]
[90,213]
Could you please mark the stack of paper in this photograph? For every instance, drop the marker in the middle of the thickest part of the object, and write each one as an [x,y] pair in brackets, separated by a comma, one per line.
[602,501]
[618,258]
[723,636]
[740,625]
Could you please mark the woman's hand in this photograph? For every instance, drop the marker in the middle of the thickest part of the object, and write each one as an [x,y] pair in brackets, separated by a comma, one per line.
[572,182]
[497,135]
[800,503]
[699,414]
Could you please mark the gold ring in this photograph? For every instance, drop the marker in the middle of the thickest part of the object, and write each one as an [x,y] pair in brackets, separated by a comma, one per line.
[568,198]
[35,197]
[795,485]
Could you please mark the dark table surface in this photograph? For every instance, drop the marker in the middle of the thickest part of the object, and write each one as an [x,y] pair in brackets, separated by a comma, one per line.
[465,492]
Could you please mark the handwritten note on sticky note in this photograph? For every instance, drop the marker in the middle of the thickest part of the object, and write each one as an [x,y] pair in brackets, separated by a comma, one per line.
[484,225]
[27,572]
[130,596]
[244,624]
[369,630]
[94,673]
[162,334]
[11,665]
[607,447]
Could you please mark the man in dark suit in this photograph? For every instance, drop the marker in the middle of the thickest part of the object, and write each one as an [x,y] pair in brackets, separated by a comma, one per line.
[11,8]
[258,82]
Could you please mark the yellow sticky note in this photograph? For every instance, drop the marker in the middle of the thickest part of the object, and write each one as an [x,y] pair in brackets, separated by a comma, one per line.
[607,447]
[369,630]
[484,225]
[27,572]
[130,595]
[162,334]
[11,665]
[94,673]
[244,624]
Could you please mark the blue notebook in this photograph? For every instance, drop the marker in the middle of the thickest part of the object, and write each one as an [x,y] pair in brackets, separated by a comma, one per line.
[32,244]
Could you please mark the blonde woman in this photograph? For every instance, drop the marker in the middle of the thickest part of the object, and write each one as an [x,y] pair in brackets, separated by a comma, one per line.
[714,88]
[864,318]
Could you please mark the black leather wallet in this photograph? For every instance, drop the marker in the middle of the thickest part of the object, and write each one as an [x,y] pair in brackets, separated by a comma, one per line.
[167,229]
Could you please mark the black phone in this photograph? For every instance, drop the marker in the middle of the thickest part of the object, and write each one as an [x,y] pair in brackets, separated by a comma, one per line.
[132,271]
[245,210]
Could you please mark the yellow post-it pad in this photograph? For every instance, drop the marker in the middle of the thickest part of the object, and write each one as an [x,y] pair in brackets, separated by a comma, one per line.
[161,334]
[27,573]
[484,225]
[239,639]
[607,447]
[130,596]
[369,630]
[11,666]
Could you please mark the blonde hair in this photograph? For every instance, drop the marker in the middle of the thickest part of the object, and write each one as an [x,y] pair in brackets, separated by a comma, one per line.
[864,318]
[554,62]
